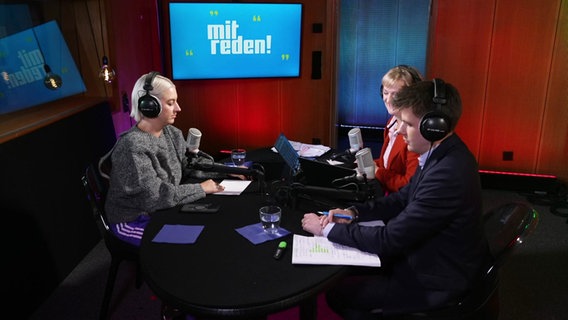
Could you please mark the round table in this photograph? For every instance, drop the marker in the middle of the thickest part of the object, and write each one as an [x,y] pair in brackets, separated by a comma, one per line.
[223,274]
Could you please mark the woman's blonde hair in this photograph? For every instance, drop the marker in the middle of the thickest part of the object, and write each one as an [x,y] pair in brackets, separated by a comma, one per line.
[404,73]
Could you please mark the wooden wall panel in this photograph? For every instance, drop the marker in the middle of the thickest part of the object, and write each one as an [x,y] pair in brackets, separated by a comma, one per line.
[521,53]
[133,31]
[250,113]
[209,106]
[259,113]
[460,46]
[508,59]
[553,147]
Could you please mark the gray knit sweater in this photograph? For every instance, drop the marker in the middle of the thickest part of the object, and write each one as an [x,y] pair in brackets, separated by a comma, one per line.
[146,174]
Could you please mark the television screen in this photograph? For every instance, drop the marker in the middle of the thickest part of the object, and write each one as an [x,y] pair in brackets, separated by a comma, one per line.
[234,40]
[23,56]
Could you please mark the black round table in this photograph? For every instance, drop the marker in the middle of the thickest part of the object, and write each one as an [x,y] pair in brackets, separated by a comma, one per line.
[223,274]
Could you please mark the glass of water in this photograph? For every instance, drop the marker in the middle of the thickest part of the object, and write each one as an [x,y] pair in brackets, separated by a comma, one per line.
[238,156]
[270,218]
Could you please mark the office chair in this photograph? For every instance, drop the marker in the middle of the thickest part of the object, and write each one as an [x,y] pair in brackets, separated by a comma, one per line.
[506,227]
[96,187]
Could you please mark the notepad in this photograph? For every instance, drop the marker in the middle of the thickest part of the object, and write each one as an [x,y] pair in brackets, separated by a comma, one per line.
[233,187]
[319,250]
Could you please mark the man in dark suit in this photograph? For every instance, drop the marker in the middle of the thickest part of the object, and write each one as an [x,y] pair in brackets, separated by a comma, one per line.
[432,246]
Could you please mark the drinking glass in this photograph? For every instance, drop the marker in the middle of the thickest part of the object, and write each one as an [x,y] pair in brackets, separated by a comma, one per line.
[270,218]
[238,156]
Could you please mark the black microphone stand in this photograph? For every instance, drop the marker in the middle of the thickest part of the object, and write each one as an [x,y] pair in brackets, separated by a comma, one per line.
[204,164]
[363,191]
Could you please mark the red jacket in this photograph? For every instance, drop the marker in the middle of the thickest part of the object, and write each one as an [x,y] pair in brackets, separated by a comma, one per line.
[402,164]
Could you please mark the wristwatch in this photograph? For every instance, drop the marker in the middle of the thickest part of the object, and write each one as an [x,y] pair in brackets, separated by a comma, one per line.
[355,213]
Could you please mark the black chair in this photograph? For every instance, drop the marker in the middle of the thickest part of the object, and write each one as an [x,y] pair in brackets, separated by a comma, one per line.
[96,187]
[506,227]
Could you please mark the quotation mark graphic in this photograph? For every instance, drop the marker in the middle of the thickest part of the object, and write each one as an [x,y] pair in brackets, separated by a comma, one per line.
[285,56]
[213,12]
[256,18]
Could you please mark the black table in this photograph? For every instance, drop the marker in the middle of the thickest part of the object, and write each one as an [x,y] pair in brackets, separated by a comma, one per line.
[223,274]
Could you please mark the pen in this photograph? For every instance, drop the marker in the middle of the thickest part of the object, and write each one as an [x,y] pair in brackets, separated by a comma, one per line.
[337,215]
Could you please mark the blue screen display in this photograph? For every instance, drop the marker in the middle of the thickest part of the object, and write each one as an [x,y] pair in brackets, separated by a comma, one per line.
[22,59]
[235,40]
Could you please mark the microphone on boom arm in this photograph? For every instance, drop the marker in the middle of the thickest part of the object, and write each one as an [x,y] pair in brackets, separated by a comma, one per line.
[208,165]
[193,142]
[355,144]
[365,169]
[201,161]
[364,178]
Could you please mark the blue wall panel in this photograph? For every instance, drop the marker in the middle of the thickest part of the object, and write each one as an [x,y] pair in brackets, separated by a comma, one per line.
[374,37]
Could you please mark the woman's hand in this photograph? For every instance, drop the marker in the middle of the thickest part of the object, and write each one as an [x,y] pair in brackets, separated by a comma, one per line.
[210,186]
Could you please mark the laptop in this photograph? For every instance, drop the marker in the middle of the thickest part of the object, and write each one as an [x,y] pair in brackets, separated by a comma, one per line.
[287,152]
[310,172]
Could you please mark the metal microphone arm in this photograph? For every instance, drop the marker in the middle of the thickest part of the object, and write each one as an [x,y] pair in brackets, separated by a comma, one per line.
[350,195]
[205,164]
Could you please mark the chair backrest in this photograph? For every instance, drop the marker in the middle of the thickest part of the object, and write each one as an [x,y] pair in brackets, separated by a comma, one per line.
[96,188]
[507,226]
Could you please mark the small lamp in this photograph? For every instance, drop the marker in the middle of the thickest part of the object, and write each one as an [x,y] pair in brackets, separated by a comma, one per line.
[106,73]
[51,81]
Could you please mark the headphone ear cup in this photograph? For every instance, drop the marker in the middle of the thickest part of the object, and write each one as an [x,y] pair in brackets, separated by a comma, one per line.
[149,106]
[434,126]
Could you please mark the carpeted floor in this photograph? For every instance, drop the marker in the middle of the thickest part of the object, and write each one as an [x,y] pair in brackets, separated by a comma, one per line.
[534,282]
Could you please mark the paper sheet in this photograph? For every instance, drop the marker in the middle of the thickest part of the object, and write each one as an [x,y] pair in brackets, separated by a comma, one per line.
[233,187]
[177,233]
[319,250]
[307,150]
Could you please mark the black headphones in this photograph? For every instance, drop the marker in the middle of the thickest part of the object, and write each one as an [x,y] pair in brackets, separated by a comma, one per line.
[435,125]
[413,73]
[148,104]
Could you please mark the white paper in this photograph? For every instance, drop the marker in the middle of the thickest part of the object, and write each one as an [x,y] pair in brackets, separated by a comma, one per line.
[233,187]
[307,150]
[319,250]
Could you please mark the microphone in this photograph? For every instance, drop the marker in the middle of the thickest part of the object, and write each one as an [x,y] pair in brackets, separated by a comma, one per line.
[365,168]
[355,143]
[365,164]
[355,140]
[209,165]
[193,141]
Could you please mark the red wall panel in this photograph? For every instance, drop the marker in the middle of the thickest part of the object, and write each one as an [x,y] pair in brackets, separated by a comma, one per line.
[521,53]
[459,53]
